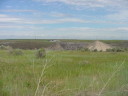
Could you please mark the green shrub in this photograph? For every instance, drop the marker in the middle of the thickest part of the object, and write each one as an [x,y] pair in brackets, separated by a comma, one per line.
[41,53]
[95,50]
[16,52]
[120,50]
[84,49]
[116,50]
[109,50]
[126,49]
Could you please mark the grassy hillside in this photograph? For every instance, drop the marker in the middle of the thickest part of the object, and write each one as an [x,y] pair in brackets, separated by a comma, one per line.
[117,43]
[45,43]
[26,44]
[64,73]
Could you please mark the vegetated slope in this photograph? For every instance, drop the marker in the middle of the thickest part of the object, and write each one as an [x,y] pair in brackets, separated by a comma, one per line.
[68,73]
[117,43]
[66,44]
[26,44]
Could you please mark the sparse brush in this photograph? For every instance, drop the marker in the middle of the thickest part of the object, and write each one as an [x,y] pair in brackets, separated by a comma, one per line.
[2,47]
[84,49]
[41,53]
[16,52]
[116,50]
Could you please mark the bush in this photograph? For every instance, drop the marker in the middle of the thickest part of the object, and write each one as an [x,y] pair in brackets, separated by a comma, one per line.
[2,47]
[109,50]
[120,50]
[84,49]
[95,50]
[41,53]
[16,52]
[126,49]
[116,50]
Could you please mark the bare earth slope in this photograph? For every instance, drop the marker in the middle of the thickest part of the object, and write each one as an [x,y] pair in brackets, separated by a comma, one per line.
[99,46]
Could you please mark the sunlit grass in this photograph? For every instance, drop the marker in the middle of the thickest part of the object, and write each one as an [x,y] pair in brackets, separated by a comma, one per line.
[68,73]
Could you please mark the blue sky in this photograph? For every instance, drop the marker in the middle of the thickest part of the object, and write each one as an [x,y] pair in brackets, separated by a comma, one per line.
[64,19]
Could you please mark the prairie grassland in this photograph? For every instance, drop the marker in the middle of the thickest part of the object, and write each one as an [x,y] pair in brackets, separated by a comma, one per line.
[64,73]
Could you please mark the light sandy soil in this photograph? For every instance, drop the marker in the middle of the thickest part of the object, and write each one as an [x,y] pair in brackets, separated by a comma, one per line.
[99,46]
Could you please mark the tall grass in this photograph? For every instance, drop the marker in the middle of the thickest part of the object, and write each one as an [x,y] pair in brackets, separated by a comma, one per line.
[64,73]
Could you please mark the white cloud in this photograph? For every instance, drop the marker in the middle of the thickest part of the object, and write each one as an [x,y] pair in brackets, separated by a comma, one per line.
[20,26]
[85,33]
[91,33]
[9,19]
[58,14]
[53,21]
[119,16]
[10,26]
[53,14]
[16,10]
[71,33]
[3,15]
[6,18]
[91,3]
[93,30]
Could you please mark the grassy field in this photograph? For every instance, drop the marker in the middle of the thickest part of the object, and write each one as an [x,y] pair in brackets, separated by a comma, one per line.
[64,73]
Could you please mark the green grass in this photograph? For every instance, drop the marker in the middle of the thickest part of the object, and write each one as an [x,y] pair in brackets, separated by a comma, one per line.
[68,73]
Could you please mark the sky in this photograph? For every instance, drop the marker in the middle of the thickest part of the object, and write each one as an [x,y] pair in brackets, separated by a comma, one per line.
[64,19]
